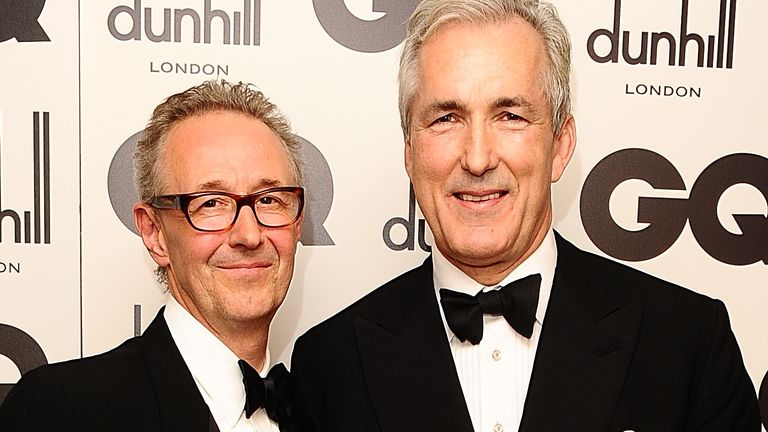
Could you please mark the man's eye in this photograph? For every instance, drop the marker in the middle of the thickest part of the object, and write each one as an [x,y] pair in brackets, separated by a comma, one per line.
[211,203]
[511,117]
[267,200]
[447,118]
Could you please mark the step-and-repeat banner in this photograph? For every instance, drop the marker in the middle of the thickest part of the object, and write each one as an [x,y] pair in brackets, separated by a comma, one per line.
[670,173]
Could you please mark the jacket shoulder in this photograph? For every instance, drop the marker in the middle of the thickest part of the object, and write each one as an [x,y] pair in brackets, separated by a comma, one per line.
[392,301]
[77,392]
[624,284]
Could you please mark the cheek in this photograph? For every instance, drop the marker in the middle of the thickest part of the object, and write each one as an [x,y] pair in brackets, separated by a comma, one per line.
[193,248]
[432,163]
[532,161]
[284,242]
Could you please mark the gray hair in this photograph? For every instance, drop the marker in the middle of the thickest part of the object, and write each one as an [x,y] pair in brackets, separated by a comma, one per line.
[211,96]
[149,173]
[431,15]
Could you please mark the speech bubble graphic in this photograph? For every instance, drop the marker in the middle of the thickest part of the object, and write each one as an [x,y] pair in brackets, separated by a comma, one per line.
[18,19]
[22,349]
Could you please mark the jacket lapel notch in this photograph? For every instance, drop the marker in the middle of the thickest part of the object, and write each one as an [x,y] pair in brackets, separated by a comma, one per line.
[586,346]
[580,372]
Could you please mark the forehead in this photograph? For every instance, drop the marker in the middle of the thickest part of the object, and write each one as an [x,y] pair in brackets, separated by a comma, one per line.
[466,62]
[227,151]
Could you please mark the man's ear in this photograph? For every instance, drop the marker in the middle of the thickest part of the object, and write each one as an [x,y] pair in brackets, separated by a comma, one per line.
[299,223]
[407,155]
[563,147]
[151,233]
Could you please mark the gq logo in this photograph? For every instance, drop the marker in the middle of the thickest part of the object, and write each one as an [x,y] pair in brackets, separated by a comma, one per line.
[18,19]
[666,217]
[361,35]
[318,184]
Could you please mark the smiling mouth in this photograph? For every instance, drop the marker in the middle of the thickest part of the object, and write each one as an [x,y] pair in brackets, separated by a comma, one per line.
[478,198]
[245,266]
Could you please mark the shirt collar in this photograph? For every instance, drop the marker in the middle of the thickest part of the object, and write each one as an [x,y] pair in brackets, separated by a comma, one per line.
[212,364]
[543,261]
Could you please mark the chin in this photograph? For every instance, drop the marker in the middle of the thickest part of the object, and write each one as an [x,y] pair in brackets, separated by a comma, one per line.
[475,254]
[480,244]
[241,312]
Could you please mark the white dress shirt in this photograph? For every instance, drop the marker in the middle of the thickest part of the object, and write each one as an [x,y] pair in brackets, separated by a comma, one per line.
[216,372]
[495,373]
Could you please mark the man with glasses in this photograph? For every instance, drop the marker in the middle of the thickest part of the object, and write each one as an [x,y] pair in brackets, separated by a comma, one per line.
[219,179]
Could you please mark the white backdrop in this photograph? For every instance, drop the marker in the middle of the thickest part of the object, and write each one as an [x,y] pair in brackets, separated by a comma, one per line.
[331,65]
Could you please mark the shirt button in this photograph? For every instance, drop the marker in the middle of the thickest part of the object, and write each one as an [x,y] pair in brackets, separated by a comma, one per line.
[496,355]
[498,428]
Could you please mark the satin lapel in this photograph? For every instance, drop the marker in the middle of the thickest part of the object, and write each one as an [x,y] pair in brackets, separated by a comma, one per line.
[181,406]
[408,364]
[212,426]
[584,352]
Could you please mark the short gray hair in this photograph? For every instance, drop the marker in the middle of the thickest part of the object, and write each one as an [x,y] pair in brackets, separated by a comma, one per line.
[431,15]
[211,96]
[149,166]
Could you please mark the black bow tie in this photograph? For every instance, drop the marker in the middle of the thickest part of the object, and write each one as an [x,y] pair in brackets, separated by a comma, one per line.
[516,301]
[272,392]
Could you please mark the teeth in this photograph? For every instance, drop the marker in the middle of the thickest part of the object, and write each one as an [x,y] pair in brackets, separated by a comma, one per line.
[467,197]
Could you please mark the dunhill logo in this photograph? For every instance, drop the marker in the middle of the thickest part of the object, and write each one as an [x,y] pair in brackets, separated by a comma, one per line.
[716,51]
[413,232]
[37,221]
[241,28]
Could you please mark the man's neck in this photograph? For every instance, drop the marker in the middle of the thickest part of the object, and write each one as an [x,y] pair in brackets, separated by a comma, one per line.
[489,274]
[249,345]
[247,340]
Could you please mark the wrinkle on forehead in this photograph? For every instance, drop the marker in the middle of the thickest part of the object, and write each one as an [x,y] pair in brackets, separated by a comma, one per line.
[227,152]
[223,185]
[439,68]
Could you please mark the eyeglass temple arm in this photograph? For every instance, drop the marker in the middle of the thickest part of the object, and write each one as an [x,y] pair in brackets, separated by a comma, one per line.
[166,202]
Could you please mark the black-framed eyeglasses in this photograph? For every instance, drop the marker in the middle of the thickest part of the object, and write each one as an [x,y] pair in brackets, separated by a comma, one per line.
[216,211]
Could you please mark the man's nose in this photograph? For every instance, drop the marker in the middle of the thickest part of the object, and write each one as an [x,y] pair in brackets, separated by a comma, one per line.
[480,152]
[246,231]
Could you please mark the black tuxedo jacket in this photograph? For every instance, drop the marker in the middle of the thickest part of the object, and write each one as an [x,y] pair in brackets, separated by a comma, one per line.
[142,385]
[619,350]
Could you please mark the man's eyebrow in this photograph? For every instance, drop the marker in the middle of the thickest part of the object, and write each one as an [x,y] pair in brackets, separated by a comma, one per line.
[220,185]
[210,185]
[443,106]
[440,106]
[513,102]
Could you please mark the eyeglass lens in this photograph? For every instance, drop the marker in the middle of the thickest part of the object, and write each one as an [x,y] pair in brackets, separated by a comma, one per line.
[216,212]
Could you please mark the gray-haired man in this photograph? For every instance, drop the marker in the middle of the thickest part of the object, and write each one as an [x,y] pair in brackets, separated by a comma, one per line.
[220,212]
[571,342]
